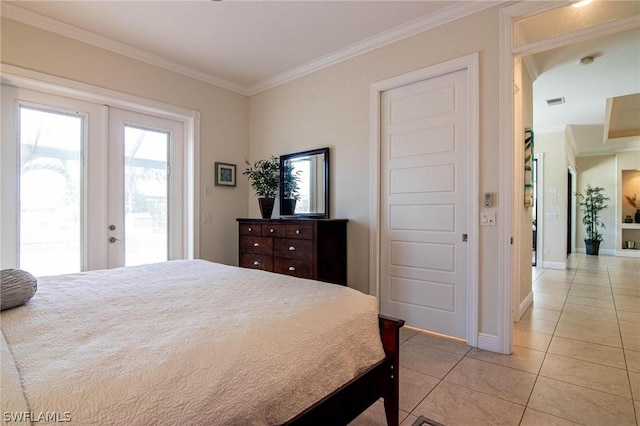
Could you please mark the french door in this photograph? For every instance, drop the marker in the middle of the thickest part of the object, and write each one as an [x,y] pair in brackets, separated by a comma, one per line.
[145,157]
[87,186]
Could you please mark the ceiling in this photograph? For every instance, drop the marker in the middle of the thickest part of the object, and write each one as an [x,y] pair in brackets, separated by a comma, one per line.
[586,89]
[250,46]
[245,46]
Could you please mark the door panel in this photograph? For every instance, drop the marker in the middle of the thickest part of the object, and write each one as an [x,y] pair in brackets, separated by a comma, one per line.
[424,193]
[143,150]
[50,212]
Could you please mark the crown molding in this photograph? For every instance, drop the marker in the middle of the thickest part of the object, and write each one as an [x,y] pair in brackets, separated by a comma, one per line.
[449,14]
[444,16]
[33,19]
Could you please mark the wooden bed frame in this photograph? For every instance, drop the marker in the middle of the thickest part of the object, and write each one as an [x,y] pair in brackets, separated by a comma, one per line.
[380,381]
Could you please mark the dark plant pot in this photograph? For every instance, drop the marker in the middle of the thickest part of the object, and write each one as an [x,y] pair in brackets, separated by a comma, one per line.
[266,207]
[288,207]
[637,216]
[592,247]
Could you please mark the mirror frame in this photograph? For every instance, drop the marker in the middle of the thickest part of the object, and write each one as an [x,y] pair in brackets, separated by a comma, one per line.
[284,158]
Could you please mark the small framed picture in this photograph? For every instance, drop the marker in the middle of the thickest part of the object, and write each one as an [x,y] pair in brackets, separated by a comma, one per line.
[225,174]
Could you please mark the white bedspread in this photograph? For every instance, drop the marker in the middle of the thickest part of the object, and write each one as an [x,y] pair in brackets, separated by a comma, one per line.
[187,343]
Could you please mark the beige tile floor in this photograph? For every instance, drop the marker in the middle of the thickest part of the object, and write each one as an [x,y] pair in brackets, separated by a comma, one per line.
[576,358]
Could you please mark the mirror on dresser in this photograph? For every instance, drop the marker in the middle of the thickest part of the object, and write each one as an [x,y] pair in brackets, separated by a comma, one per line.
[304,184]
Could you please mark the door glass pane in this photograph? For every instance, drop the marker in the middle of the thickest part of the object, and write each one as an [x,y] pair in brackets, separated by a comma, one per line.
[50,192]
[146,196]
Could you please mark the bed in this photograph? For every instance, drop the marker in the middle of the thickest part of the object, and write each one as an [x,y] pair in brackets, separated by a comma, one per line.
[195,342]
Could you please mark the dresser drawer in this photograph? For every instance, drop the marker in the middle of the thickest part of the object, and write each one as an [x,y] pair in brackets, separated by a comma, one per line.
[256,261]
[273,230]
[293,249]
[303,232]
[251,229]
[307,248]
[256,245]
[295,267]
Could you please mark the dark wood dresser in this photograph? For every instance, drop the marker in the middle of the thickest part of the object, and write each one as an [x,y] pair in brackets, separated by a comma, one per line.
[306,248]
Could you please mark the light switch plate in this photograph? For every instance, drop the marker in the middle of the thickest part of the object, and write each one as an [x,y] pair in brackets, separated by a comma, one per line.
[487,218]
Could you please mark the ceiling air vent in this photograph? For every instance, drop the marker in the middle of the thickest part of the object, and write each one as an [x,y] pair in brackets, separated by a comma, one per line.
[555,101]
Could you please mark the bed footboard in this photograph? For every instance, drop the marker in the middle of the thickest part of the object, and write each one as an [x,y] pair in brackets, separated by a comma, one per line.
[380,381]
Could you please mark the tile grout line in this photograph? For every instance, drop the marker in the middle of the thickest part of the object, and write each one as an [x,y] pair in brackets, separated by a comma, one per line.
[546,351]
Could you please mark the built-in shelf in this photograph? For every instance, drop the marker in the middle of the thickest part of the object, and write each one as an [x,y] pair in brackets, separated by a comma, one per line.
[628,253]
[630,226]
[628,166]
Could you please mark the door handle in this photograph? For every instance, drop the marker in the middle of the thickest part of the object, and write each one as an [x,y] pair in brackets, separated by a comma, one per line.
[112,227]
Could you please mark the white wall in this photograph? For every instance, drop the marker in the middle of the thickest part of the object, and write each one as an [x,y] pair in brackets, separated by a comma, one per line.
[224,115]
[553,218]
[332,108]
[599,171]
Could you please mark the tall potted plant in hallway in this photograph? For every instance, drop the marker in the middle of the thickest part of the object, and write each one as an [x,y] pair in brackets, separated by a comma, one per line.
[592,202]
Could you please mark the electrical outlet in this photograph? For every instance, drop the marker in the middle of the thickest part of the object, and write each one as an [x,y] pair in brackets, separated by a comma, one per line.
[207,191]
[206,217]
[545,252]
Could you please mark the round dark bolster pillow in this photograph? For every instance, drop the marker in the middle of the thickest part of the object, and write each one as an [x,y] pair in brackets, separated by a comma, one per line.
[17,287]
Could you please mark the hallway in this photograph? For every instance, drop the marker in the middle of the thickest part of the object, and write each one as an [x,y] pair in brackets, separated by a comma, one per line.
[576,358]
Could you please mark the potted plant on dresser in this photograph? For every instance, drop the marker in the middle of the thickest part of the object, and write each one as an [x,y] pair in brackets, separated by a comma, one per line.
[290,188]
[263,177]
[592,202]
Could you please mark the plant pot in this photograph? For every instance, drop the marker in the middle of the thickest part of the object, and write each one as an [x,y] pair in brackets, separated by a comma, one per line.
[288,206]
[266,207]
[637,216]
[592,246]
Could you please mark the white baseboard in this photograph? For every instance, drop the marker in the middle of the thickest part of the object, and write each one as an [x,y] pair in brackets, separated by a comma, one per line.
[554,265]
[604,252]
[524,305]
[488,342]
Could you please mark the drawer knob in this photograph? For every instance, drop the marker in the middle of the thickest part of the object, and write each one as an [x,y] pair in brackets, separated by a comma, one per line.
[256,263]
[292,268]
[250,229]
[271,230]
[297,231]
[292,248]
[256,244]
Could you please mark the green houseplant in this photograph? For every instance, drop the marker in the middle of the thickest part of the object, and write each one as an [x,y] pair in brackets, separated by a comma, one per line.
[290,188]
[263,177]
[592,202]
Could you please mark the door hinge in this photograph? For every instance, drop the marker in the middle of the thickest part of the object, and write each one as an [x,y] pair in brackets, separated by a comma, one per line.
[465,238]
[511,241]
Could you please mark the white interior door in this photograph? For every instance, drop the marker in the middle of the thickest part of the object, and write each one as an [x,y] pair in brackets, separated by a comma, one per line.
[146,200]
[424,203]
